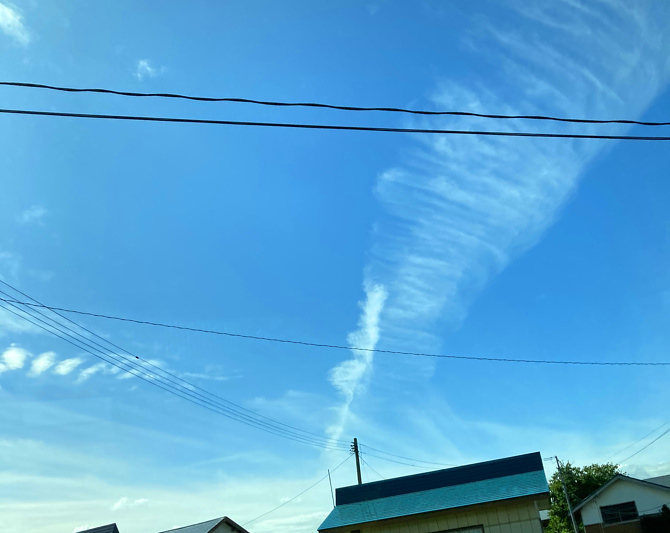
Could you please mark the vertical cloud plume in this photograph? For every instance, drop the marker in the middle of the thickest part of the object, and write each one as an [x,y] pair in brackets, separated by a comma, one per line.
[461,208]
[350,376]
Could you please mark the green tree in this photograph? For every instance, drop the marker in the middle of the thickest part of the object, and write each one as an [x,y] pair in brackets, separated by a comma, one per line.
[580,482]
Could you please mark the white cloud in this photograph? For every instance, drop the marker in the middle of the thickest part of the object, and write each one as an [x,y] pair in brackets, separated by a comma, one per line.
[42,363]
[13,358]
[68,365]
[33,214]
[9,265]
[126,503]
[81,528]
[350,376]
[144,69]
[11,23]
[462,207]
[11,323]
[88,372]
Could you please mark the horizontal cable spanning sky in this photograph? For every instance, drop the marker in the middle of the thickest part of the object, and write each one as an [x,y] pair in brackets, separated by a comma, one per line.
[505,247]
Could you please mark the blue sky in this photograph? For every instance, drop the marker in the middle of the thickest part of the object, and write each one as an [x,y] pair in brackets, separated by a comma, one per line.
[506,247]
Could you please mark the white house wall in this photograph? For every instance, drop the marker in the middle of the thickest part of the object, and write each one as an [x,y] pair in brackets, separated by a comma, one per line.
[647,499]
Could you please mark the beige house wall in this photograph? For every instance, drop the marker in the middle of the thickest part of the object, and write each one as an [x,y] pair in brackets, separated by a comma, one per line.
[516,516]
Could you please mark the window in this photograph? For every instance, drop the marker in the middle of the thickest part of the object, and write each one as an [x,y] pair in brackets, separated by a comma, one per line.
[621,512]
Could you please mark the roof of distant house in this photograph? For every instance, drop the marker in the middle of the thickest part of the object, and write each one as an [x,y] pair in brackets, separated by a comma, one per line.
[647,482]
[660,480]
[502,479]
[109,528]
[206,527]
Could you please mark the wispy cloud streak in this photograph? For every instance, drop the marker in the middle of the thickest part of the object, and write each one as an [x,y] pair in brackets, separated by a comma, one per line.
[350,376]
[11,23]
[41,364]
[462,208]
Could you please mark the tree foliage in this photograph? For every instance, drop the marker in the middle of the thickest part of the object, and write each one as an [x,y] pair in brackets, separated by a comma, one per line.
[580,483]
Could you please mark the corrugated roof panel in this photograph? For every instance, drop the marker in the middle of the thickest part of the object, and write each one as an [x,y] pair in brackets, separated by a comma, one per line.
[489,490]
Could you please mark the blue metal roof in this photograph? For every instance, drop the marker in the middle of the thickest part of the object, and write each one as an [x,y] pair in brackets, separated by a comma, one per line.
[508,466]
[484,491]
[109,528]
[202,527]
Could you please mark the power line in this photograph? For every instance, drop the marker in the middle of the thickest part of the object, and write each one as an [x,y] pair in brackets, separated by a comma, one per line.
[140,118]
[328,106]
[406,458]
[131,367]
[342,347]
[371,468]
[298,495]
[647,446]
[170,375]
[399,462]
[638,441]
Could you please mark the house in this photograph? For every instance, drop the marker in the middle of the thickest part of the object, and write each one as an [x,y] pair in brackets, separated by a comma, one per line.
[501,496]
[618,505]
[216,525]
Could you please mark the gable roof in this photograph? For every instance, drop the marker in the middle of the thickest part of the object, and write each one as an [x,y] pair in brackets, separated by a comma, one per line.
[206,527]
[503,479]
[109,528]
[614,480]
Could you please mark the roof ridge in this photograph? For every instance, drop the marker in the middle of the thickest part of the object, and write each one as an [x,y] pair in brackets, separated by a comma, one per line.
[196,524]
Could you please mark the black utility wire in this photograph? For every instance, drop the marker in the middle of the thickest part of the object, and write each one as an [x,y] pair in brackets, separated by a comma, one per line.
[329,106]
[638,441]
[406,458]
[342,347]
[131,367]
[180,381]
[398,462]
[154,380]
[299,494]
[139,118]
[647,446]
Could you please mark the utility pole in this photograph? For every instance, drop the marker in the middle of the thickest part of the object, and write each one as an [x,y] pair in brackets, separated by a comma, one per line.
[567,498]
[354,448]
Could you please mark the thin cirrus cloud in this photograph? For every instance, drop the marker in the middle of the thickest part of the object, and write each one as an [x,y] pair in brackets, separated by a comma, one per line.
[11,24]
[349,377]
[32,215]
[461,208]
[67,365]
[127,503]
[144,69]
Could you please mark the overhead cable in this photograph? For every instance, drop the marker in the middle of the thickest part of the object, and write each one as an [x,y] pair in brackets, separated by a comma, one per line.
[328,106]
[371,468]
[167,374]
[299,494]
[399,462]
[128,365]
[343,347]
[407,458]
[639,440]
[291,125]
[647,446]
